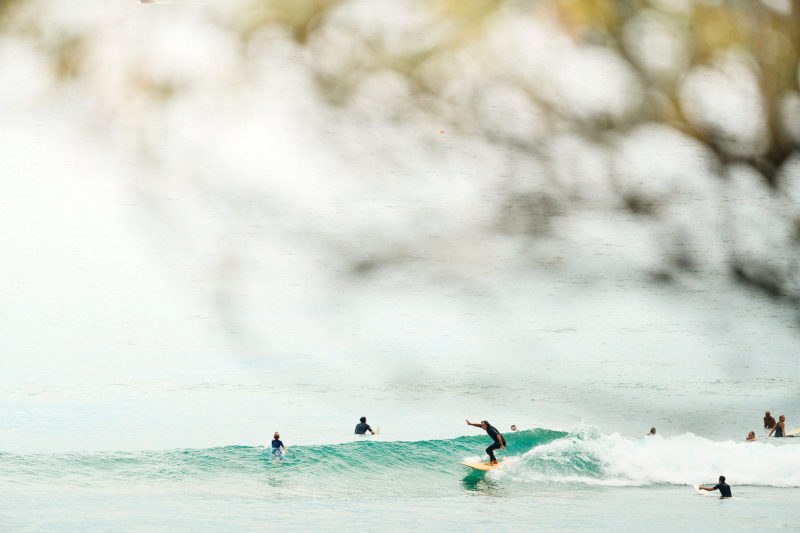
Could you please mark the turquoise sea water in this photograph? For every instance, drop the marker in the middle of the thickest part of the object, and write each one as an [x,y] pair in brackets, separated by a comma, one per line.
[550,480]
[185,449]
[600,474]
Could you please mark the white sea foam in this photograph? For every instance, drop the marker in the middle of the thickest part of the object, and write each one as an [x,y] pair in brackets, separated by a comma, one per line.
[683,459]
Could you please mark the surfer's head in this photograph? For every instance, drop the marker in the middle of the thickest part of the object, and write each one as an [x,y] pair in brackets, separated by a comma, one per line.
[782,418]
[276,436]
[722,479]
[767,413]
[485,424]
[363,419]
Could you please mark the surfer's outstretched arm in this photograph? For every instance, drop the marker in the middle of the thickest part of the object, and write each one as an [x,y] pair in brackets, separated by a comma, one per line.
[473,424]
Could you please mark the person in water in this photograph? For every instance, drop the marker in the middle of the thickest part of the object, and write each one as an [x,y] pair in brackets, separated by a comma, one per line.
[780,427]
[724,488]
[751,436]
[497,439]
[514,427]
[278,449]
[652,432]
[769,422]
[362,427]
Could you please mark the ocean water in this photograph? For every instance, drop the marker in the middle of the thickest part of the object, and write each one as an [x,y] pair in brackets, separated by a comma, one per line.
[550,480]
[185,449]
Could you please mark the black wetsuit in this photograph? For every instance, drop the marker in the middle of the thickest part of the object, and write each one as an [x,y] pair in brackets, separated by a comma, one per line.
[276,448]
[778,430]
[724,489]
[362,428]
[492,432]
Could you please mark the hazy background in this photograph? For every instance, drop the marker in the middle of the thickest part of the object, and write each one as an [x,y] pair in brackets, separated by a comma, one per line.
[400,192]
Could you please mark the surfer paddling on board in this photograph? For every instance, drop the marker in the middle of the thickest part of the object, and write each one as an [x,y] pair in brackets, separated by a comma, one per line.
[497,438]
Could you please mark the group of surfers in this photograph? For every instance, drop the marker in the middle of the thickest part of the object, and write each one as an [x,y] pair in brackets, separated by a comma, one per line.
[499,442]
[779,427]
[279,449]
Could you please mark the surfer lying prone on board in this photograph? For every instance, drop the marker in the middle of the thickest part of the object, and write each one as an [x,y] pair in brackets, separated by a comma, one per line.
[497,438]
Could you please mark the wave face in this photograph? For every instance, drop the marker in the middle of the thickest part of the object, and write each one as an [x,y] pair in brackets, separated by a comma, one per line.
[381,468]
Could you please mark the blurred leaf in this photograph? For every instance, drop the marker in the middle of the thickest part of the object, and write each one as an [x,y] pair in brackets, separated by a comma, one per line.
[299,16]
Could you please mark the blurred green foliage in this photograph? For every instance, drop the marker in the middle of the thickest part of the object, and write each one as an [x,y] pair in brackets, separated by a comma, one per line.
[299,16]
[769,37]
[446,52]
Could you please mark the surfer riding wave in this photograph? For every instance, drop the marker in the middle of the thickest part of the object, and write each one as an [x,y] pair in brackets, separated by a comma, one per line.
[497,439]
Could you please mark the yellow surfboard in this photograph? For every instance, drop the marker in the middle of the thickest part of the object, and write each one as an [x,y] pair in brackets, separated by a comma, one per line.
[793,432]
[484,467]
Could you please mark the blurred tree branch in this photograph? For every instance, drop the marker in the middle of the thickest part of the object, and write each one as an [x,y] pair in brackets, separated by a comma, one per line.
[449,59]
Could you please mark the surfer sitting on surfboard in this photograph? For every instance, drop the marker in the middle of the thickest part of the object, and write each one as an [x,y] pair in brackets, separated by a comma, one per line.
[497,438]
